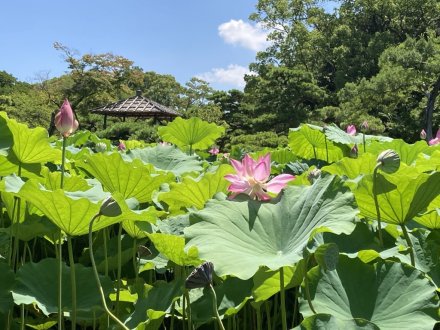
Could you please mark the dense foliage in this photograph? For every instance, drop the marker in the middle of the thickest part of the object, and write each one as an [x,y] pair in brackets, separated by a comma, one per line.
[352,242]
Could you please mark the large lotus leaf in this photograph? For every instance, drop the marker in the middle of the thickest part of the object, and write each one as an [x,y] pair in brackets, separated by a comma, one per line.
[6,138]
[330,322]
[353,167]
[140,229]
[158,299]
[335,134]
[193,133]
[267,282]
[306,141]
[10,165]
[427,163]
[430,219]
[35,284]
[166,158]
[232,294]
[280,156]
[31,145]
[390,295]
[129,179]
[195,193]
[172,247]
[240,236]
[362,243]
[72,211]
[52,181]
[411,196]
[33,226]
[7,278]
[408,152]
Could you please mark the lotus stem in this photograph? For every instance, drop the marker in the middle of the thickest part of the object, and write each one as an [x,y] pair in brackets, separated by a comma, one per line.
[98,282]
[326,148]
[22,325]
[283,300]
[135,262]
[118,283]
[314,153]
[214,306]
[63,161]
[189,309]
[307,290]
[410,244]
[72,280]
[60,281]
[258,311]
[267,308]
[363,141]
[104,234]
[376,204]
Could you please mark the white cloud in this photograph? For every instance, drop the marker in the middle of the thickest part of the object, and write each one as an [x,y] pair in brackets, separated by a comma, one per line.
[243,34]
[232,75]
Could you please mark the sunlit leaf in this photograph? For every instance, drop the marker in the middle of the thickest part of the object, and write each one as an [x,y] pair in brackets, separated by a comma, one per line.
[172,247]
[195,193]
[408,152]
[310,143]
[192,133]
[330,322]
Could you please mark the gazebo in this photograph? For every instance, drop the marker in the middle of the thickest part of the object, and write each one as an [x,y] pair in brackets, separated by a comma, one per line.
[136,106]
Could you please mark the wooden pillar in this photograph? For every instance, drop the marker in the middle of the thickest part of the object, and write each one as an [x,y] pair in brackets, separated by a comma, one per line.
[105,121]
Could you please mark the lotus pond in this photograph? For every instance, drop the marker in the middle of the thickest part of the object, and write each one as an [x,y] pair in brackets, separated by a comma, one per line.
[93,236]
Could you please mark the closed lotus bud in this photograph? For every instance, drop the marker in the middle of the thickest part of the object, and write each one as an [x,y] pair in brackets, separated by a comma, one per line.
[423,134]
[100,147]
[388,161]
[354,151]
[314,175]
[110,208]
[65,121]
[121,146]
[351,130]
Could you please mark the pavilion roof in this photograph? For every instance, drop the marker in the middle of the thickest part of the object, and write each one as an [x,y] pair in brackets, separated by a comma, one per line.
[136,106]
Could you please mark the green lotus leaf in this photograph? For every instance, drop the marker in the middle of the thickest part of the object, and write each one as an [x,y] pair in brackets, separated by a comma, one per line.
[427,163]
[192,133]
[158,299]
[172,247]
[140,229]
[389,294]
[196,192]
[353,167]
[41,324]
[166,158]
[330,322]
[335,134]
[129,179]
[361,243]
[310,143]
[6,138]
[35,284]
[267,282]
[10,165]
[232,294]
[240,236]
[408,152]
[7,279]
[73,211]
[31,145]
[411,196]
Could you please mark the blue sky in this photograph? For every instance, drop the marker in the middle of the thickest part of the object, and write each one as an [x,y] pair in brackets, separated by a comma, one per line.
[211,39]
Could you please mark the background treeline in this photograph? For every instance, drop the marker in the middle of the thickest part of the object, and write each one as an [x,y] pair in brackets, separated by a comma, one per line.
[374,60]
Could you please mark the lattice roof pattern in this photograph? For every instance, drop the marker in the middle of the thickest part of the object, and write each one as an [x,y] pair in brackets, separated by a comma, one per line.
[136,106]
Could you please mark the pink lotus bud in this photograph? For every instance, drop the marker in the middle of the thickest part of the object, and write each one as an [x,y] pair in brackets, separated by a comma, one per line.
[423,135]
[351,130]
[354,151]
[121,146]
[214,151]
[65,121]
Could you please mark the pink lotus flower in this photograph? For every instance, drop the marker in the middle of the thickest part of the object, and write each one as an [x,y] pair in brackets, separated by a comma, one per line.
[252,178]
[354,151]
[65,121]
[436,140]
[351,130]
[423,134]
[214,151]
[121,146]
